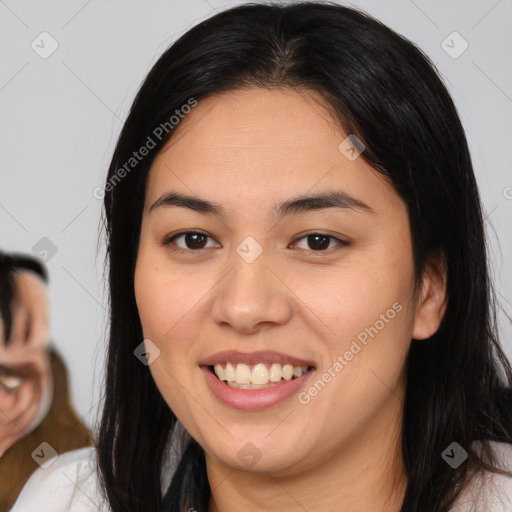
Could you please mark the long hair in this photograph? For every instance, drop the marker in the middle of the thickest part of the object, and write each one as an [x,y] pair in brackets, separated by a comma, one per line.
[385,90]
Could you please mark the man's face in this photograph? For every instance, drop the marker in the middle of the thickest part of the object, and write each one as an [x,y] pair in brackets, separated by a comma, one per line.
[25,375]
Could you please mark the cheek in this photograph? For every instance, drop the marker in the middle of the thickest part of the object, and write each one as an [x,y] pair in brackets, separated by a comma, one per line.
[367,306]
[163,300]
[170,303]
[354,296]
[163,296]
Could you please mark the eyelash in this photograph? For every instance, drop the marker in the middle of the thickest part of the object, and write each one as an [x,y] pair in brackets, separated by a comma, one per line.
[168,241]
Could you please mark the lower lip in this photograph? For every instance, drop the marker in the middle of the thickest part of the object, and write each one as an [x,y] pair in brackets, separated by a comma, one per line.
[254,399]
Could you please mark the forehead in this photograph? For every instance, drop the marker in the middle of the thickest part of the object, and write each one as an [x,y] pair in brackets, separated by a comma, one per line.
[249,145]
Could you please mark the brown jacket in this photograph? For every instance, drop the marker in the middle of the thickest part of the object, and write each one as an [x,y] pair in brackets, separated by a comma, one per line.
[61,428]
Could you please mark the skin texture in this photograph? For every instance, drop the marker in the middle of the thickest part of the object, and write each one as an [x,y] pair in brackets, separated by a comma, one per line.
[248,150]
[25,357]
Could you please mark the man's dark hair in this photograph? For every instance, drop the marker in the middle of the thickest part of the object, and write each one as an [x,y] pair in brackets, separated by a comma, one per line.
[10,264]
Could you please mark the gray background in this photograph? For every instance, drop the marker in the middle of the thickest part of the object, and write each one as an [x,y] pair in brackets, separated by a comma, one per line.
[61,115]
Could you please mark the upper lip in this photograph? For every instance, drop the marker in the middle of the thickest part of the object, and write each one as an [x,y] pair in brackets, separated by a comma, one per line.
[252,358]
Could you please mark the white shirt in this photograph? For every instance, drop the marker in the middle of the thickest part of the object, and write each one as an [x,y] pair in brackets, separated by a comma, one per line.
[70,484]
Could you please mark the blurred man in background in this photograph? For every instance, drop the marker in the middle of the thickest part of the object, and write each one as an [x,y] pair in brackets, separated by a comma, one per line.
[35,406]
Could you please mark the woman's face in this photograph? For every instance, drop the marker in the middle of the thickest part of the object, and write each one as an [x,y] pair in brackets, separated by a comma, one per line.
[340,300]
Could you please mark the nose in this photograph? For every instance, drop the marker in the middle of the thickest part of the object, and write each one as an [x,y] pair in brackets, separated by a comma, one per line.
[251,296]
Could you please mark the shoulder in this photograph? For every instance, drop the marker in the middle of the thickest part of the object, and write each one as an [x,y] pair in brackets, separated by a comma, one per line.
[490,490]
[66,482]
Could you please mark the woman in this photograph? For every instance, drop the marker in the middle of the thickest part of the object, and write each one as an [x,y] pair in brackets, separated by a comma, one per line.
[294,230]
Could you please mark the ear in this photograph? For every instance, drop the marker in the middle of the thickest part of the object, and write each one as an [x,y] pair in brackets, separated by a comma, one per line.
[432,301]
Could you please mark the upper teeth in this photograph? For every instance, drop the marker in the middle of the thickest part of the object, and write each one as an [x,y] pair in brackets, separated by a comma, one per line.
[260,374]
[10,382]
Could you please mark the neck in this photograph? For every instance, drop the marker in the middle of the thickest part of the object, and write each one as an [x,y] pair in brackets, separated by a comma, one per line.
[367,473]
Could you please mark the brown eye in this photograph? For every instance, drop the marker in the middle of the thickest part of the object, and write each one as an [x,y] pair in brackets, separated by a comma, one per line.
[191,241]
[195,240]
[320,242]
[316,242]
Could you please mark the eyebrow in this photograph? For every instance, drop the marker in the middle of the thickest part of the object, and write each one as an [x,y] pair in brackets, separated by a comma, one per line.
[296,205]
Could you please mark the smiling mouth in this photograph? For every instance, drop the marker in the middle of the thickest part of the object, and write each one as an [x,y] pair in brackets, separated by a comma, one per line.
[258,376]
